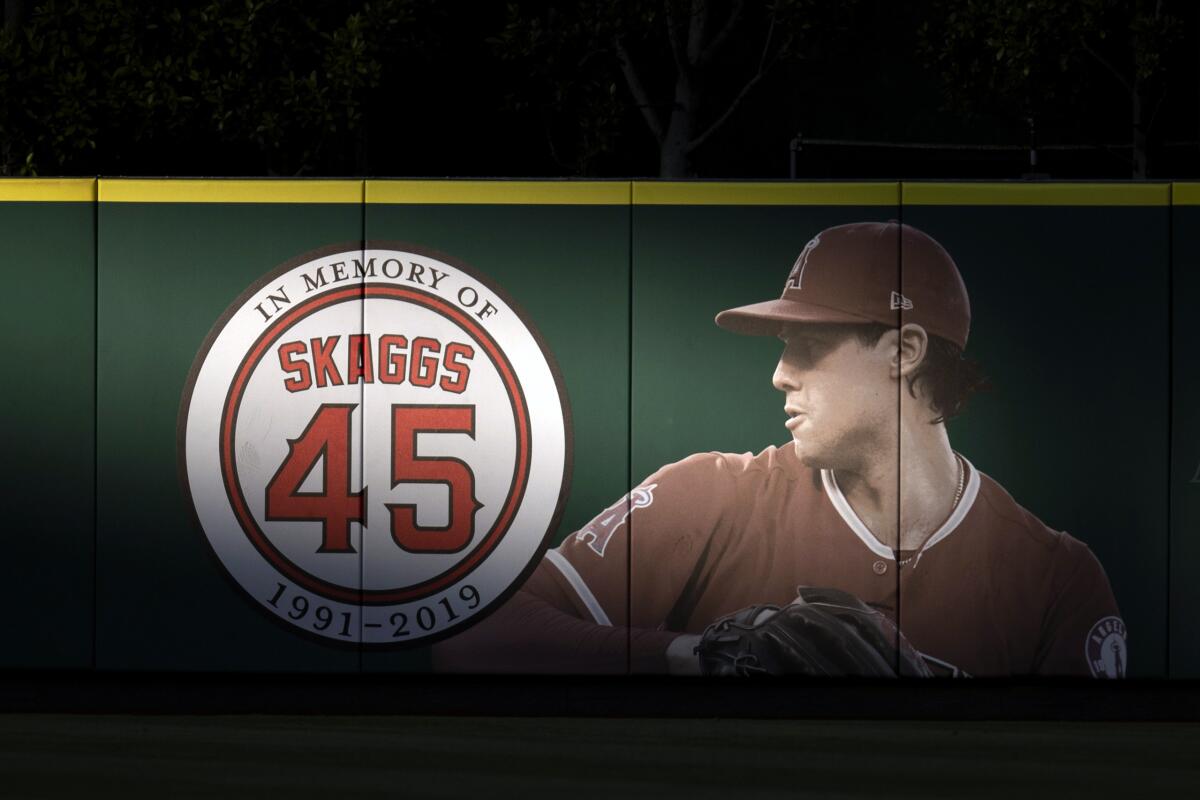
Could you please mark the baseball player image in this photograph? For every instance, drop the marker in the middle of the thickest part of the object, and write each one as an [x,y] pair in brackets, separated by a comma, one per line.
[865,545]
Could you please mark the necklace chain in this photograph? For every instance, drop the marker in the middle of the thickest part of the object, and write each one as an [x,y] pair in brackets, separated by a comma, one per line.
[957,497]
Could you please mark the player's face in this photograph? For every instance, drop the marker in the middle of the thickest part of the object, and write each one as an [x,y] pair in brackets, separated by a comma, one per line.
[840,397]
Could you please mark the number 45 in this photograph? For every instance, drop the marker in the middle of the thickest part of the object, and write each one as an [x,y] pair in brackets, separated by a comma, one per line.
[327,438]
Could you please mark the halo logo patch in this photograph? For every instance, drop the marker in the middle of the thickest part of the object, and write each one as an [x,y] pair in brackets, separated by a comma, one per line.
[376,444]
[1106,650]
[600,530]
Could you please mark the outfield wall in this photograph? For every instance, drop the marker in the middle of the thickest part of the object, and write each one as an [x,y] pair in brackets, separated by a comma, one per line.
[123,305]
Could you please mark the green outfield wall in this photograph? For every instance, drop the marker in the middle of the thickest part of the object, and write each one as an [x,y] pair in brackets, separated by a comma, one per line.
[332,426]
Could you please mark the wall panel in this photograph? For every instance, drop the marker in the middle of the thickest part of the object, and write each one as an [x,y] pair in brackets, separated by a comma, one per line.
[48,324]
[1185,429]
[557,253]
[732,531]
[172,257]
[1068,288]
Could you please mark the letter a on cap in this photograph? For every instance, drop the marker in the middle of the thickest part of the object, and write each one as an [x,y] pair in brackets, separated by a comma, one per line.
[797,275]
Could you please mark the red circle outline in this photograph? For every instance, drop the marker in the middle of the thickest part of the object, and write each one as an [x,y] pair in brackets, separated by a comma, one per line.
[233,485]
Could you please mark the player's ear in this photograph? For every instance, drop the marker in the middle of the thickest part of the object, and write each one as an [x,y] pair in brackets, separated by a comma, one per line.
[913,344]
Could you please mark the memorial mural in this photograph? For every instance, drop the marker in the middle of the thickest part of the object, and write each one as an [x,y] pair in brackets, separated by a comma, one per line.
[915,430]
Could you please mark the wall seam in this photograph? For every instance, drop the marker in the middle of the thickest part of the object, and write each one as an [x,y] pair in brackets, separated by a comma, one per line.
[899,425]
[1170,412]
[629,443]
[362,428]
[95,422]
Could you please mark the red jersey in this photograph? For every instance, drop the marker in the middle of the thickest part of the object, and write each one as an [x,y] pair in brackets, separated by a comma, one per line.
[992,592]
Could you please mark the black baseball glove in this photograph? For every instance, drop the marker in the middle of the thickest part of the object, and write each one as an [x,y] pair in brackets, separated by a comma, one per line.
[824,632]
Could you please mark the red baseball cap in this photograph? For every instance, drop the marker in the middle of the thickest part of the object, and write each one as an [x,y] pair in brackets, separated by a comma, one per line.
[866,272]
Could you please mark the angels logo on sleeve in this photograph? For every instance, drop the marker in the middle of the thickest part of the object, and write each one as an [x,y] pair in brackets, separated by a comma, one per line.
[597,533]
[376,444]
[1106,649]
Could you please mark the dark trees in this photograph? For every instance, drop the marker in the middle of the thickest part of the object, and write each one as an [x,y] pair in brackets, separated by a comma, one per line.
[686,66]
[1037,58]
[227,86]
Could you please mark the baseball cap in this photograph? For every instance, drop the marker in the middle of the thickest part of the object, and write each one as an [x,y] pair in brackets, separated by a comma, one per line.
[866,272]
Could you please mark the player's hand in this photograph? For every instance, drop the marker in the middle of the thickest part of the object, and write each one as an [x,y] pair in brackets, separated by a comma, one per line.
[681,655]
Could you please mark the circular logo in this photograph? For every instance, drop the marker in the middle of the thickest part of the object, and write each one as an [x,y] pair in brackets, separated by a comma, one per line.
[1105,650]
[376,444]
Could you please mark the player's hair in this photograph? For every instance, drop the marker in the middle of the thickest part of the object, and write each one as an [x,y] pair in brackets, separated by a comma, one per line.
[950,377]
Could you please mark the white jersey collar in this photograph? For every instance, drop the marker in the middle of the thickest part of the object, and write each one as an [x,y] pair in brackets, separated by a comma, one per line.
[834,493]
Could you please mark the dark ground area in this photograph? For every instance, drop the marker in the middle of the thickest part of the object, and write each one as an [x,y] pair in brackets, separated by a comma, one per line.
[351,757]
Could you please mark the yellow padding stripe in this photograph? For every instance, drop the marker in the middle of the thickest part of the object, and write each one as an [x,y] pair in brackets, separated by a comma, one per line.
[1037,194]
[124,190]
[48,190]
[128,190]
[532,193]
[1185,194]
[647,193]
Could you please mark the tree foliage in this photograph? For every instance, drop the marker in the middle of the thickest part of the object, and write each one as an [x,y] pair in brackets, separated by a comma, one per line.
[539,87]
[270,86]
[1032,58]
[684,67]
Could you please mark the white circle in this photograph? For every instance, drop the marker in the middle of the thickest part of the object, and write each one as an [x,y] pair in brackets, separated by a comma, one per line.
[282,356]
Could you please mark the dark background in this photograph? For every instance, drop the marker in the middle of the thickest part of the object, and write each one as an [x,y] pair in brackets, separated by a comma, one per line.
[1060,89]
[926,89]
[865,88]
[1044,89]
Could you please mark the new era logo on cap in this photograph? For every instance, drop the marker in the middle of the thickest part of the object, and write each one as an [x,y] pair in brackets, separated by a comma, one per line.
[899,301]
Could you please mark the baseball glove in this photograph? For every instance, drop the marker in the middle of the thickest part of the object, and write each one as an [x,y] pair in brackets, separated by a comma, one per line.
[824,632]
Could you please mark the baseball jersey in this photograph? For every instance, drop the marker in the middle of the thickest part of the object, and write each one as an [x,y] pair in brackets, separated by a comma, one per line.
[993,591]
